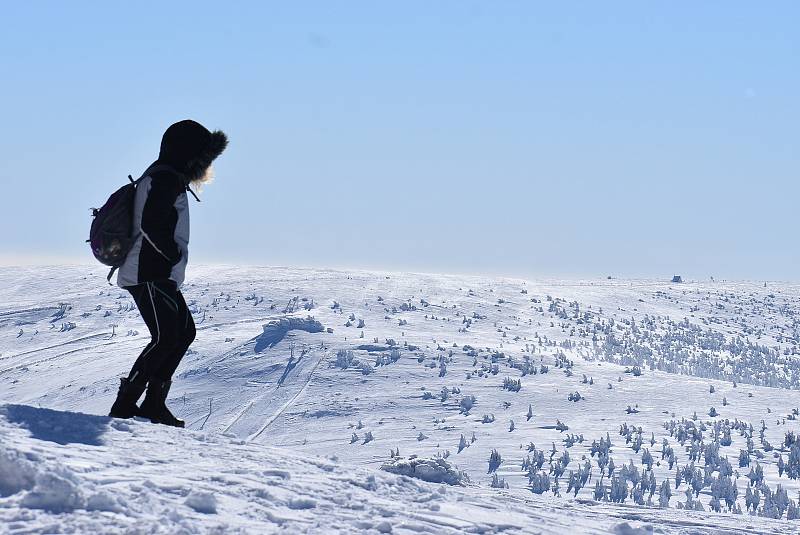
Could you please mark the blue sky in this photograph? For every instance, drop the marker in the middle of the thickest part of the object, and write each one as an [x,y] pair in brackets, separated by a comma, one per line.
[515,138]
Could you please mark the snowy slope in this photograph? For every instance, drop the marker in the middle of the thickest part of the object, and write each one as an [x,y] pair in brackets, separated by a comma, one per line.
[267,385]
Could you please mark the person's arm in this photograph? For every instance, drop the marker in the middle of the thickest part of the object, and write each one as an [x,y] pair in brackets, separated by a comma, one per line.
[159,216]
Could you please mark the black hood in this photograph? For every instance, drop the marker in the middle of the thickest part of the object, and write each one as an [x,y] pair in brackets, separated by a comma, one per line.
[190,148]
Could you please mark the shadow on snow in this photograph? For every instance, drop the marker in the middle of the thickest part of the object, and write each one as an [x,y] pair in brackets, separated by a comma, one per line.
[58,426]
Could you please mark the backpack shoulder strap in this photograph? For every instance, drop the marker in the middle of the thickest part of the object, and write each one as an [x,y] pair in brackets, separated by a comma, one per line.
[156,167]
[111,273]
[164,167]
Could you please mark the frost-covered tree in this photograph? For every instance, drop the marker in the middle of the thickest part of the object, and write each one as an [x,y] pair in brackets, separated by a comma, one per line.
[723,488]
[756,475]
[637,443]
[539,482]
[664,494]
[792,468]
[600,493]
[647,459]
[494,461]
[619,490]
[751,499]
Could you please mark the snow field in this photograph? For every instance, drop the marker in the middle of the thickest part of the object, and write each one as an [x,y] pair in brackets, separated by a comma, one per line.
[487,377]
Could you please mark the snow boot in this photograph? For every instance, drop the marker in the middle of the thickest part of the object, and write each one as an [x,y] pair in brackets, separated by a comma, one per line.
[130,390]
[154,405]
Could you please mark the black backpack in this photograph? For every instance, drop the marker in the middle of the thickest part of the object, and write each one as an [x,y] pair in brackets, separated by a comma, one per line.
[111,235]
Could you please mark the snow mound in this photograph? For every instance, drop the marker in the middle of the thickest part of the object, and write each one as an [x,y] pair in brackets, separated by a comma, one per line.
[50,487]
[275,331]
[626,529]
[433,470]
[57,493]
[202,502]
[16,472]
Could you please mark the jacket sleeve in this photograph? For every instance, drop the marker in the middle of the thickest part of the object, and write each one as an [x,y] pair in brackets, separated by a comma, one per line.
[159,216]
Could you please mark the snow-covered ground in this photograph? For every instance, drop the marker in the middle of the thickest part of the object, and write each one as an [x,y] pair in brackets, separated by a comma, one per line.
[317,401]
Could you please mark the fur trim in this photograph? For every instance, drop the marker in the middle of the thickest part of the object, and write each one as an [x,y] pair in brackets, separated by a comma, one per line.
[196,167]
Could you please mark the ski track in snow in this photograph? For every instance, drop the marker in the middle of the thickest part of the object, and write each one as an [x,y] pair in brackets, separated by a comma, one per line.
[288,403]
[294,429]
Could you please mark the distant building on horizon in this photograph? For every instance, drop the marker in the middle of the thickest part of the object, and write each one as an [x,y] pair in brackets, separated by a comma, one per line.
[677,278]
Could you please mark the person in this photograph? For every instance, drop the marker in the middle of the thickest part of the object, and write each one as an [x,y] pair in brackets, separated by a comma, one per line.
[154,268]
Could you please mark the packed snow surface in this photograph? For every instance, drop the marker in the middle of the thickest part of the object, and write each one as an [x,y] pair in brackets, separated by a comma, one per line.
[322,401]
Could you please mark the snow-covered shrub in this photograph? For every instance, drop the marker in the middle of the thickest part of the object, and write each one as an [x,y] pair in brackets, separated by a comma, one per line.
[345,358]
[498,482]
[513,385]
[574,396]
[466,403]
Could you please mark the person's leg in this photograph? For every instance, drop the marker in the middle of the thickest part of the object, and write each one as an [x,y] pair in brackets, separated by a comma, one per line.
[132,387]
[160,364]
[185,338]
[141,296]
[159,310]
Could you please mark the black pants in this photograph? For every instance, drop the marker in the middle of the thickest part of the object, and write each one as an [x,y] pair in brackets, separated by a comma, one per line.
[171,327]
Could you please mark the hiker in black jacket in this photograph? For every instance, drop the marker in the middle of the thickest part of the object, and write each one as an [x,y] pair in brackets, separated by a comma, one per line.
[155,266]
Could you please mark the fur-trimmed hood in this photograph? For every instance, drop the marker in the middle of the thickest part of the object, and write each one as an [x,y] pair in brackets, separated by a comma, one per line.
[190,148]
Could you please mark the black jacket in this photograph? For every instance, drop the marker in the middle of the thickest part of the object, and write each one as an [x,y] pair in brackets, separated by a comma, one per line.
[161,209]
